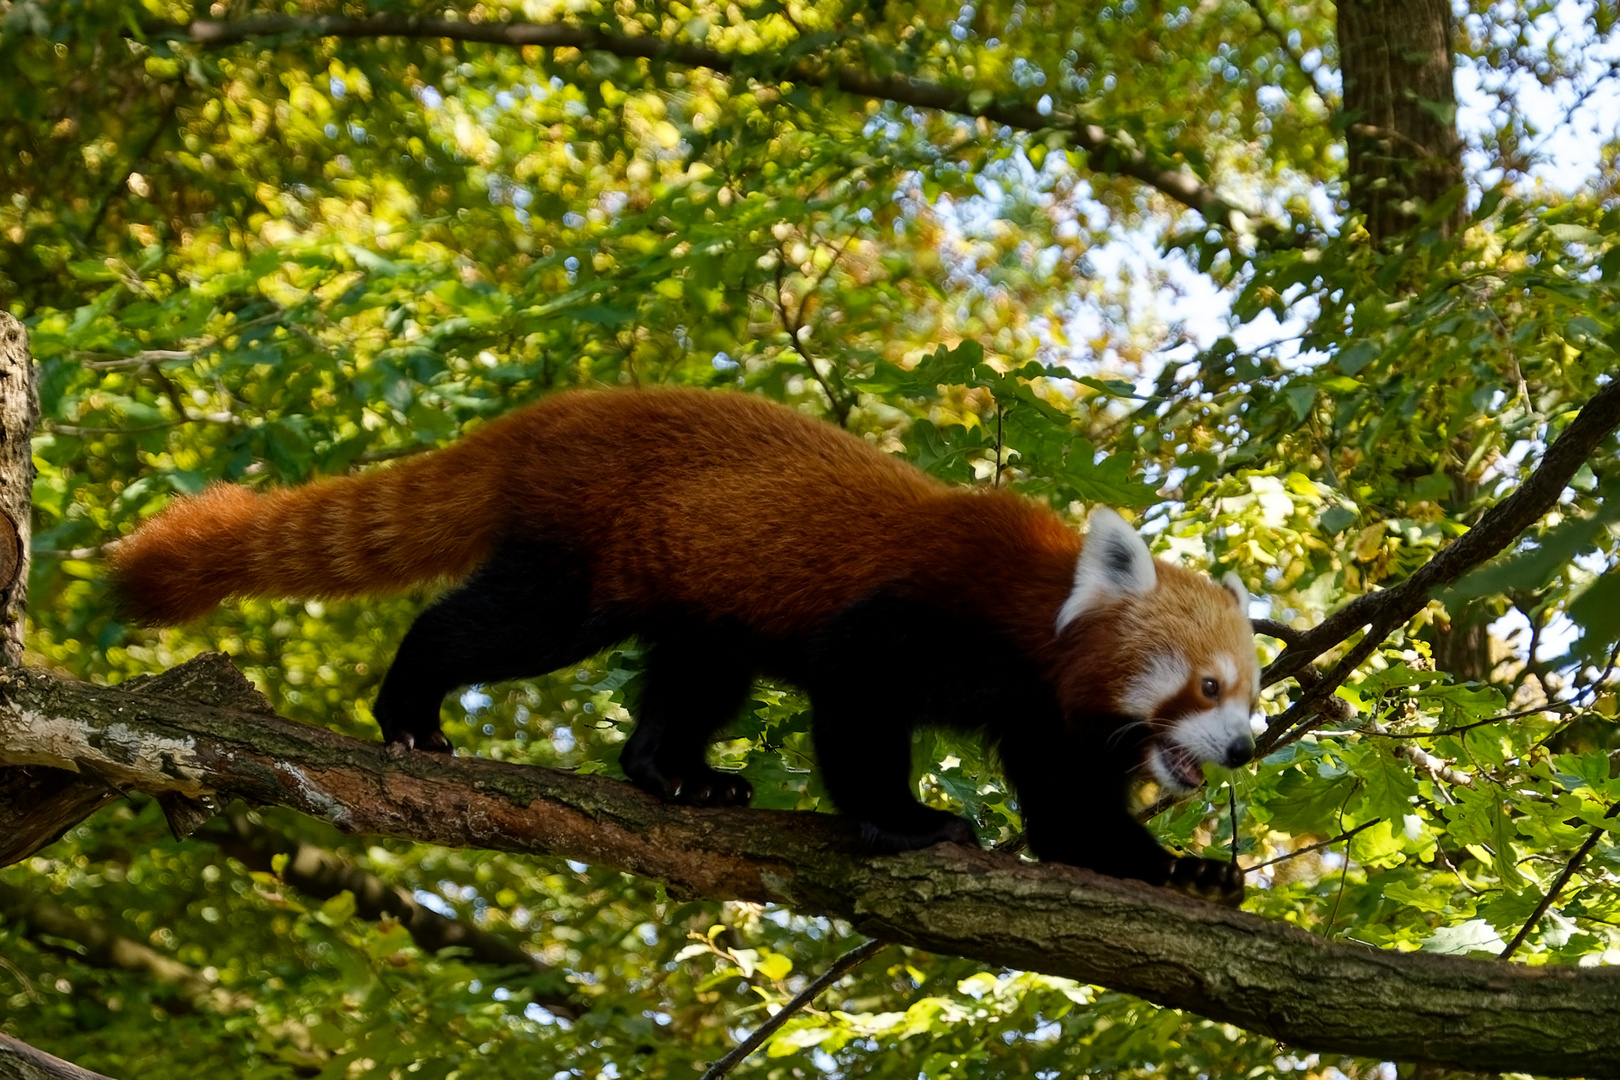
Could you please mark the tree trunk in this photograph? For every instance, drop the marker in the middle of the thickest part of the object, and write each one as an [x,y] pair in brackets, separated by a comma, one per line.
[1401,108]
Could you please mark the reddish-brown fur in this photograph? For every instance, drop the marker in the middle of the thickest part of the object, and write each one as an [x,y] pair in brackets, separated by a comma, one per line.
[721,502]
[735,536]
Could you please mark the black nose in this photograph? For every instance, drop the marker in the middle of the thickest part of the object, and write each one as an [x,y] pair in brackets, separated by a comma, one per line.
[1239,752]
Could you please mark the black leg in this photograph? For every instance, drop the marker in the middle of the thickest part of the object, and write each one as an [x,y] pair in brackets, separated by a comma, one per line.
[865,761]
[695,683]
[877,671]
[524,612]
[1072,791]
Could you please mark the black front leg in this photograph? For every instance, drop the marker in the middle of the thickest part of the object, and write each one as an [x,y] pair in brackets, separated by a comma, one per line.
[863,746]
[1073,792]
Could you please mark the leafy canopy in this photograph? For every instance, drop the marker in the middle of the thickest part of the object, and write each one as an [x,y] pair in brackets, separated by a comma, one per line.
[296,256]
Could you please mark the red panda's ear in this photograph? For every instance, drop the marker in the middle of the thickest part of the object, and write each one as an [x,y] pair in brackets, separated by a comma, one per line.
[1234,585]
[1114,563]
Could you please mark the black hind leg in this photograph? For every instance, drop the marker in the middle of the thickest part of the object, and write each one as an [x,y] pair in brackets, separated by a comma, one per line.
[524,612]
[865,760]
[694,684]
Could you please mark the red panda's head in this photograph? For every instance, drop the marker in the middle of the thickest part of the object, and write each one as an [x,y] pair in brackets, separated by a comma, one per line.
[1148,643]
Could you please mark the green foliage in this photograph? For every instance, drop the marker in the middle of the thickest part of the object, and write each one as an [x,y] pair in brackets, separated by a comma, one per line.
[296,257]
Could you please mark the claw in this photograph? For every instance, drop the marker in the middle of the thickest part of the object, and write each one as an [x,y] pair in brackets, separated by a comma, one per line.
[1207,879]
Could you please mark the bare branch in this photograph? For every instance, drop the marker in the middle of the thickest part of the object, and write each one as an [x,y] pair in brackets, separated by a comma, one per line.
[1557,887]
[841,967]
[104,948]
[322,874]
[19,1061]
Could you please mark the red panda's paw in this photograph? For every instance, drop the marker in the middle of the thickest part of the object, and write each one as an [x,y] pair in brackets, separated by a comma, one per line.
[434,742]
[1207,879]
[940,828]
[697,785]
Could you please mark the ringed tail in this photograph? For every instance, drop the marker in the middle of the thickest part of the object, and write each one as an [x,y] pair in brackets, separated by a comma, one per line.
[431,517]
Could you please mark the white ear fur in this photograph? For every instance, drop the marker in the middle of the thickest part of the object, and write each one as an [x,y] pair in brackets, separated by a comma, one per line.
[1234,585]
[1114,563]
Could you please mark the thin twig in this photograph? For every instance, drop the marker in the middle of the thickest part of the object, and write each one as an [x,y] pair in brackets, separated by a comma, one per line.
[792,324]
[1231,803]
[1558,886]
[1000,446]
[840,967]
[1297,852]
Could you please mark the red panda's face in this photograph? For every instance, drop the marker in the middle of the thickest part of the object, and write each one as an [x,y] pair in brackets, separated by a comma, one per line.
[1161,647]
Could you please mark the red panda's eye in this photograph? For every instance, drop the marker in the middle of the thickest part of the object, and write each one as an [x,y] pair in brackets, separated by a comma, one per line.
[1211,688]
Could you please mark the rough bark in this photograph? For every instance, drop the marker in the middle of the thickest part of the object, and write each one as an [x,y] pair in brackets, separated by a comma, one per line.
[1400,105]
[36,805]
[1230,966]
[19,412]
[19,1061]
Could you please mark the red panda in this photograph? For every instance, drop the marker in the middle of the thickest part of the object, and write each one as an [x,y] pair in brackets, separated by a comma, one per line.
[736,537]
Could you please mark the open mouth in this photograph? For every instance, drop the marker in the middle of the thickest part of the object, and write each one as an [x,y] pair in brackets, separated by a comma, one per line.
[1175,766]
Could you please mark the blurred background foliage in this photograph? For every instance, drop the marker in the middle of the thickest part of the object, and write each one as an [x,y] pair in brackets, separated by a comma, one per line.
[296,256]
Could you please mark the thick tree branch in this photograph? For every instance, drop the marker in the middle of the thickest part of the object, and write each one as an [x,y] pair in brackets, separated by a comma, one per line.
[1107,151]
[1382,612]
[1233,967]
[19,1061]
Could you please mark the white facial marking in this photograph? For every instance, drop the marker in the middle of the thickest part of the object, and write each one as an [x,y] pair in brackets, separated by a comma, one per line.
[1162,678]
[1114,563]
[1208,736]
[1228,669]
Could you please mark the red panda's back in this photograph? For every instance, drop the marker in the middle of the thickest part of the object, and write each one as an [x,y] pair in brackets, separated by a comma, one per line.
[729,504]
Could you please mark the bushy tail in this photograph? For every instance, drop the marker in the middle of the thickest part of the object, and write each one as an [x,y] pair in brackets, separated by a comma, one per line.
[426,518]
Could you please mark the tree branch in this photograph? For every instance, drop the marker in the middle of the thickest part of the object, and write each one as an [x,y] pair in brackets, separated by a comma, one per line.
[104,948]
[1382,612]
[1226,965]
[19,1061]
[1107,151]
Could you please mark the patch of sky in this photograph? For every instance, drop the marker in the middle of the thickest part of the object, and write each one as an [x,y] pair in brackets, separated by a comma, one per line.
[433,902]
[563,739]
[540,1015]
[331,131]
[722,362]
[1563,124]
[337,87]
[474,700]
[429,96]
